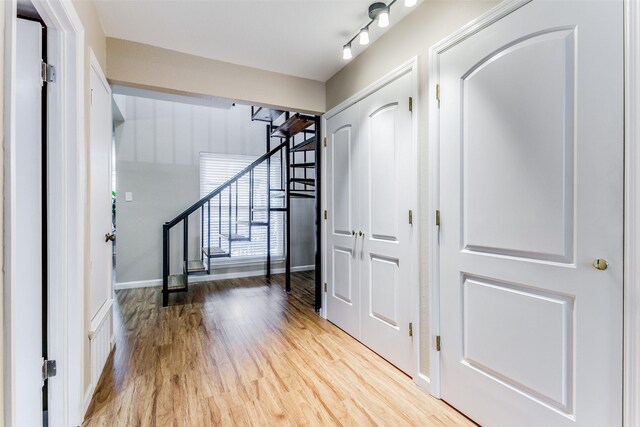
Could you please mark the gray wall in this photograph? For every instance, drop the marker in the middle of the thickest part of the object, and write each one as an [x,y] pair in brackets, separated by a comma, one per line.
[157,159]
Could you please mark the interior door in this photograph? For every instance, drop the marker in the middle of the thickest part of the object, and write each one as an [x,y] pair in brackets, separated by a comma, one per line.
[101,223]
[342,183]
[531,198]
[387,193]
[27,347]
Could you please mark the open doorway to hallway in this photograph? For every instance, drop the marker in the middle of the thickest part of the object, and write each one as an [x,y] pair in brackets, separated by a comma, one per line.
[172,152]
[30,208]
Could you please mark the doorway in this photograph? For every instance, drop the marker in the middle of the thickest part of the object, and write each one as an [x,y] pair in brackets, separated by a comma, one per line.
[31,216]
[23,362]
[371,235]
[531,201]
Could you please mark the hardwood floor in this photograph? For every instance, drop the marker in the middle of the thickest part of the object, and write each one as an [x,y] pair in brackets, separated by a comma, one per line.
[243,352]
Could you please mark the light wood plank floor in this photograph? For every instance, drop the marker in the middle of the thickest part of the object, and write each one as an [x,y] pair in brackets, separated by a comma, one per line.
[243,352]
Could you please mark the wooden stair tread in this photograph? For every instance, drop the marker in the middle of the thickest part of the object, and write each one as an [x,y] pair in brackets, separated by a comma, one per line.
[196,266]
[177,282]
[296,194]
[295,124]
[264,114]
[306,145]
[215,250]
[303,165]
[306,181]
[236,237]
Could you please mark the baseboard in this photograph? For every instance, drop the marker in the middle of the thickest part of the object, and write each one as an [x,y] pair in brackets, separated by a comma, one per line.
[87,400]
[210,277]
[138,284]
[424,382]
[99,317]
[100,341]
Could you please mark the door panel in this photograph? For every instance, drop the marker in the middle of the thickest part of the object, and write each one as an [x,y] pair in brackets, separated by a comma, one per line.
[540,132]
[343,284]
[27,347]
[384,289]
[387,193]
[545,350]
[100,154]
[382,184]
[531,193]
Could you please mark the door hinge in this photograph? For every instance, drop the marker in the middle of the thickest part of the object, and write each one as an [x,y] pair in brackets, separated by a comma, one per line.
[410,217]
[326,215]
[411,104]
[438,93]
[47,73]
[438,218]
[325,141]
[325,286]
[438,343]
[48,369]
[410,329]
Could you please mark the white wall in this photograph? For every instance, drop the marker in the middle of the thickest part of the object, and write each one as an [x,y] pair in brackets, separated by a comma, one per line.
[148,67]
[157,159]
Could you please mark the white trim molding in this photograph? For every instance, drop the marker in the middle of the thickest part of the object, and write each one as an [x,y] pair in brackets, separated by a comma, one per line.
[66,177]
[631,393]
[208,278]
[407,67]
[500,11]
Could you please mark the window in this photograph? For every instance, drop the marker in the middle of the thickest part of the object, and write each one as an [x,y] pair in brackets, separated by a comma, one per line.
[230,212]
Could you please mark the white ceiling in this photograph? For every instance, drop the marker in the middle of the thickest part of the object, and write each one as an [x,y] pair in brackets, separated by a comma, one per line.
[297,37]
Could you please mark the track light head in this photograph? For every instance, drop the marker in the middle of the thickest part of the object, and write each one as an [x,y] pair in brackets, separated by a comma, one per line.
[346,51]
[375,9]
[364,36]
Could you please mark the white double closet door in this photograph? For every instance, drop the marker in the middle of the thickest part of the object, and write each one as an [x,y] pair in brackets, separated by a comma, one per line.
[371,180]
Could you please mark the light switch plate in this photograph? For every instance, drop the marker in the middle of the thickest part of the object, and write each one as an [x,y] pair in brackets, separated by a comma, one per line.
[128,196]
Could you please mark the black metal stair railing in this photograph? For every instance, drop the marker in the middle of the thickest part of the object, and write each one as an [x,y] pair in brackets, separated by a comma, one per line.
[299,177]
[180,283]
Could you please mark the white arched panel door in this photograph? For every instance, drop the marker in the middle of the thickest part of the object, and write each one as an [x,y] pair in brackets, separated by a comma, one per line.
[387,194]
[342,183]
[531,143]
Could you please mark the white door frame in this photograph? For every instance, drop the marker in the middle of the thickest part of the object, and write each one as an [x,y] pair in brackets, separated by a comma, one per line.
[631,396]
[96,319]
[410,66]
[66,209]
[631,295]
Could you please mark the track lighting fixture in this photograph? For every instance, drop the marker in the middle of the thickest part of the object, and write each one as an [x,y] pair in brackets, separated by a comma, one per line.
[378,12]
[364,36]
[346,51]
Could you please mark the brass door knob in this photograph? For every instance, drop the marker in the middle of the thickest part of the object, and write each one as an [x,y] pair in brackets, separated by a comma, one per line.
[600,264]
[108,237]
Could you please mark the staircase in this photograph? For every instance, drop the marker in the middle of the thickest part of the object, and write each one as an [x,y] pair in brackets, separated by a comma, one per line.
[294,138]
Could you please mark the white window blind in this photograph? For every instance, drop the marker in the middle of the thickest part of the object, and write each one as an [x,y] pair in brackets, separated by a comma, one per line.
[230,212]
